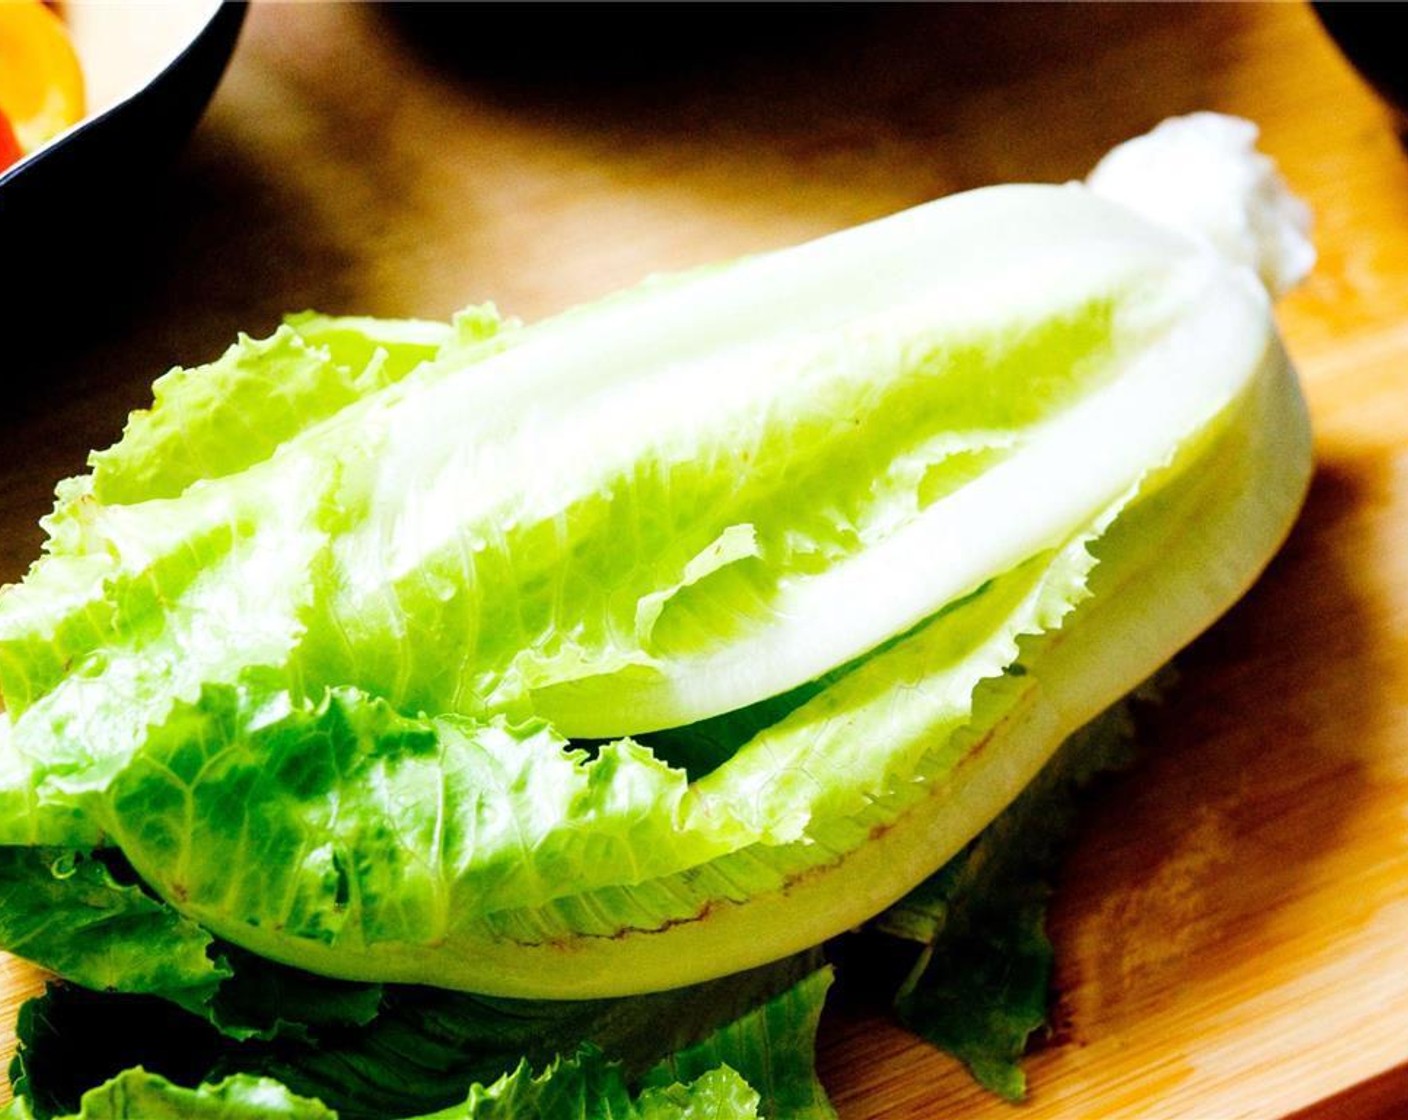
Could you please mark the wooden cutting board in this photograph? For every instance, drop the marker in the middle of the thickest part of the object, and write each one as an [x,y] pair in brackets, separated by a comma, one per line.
[1233,923]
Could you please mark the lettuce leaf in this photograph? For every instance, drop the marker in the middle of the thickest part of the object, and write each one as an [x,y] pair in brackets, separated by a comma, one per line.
[580,1088]
[139,1095]
[67,911]
[981,984]
[425,1048]
[977,990]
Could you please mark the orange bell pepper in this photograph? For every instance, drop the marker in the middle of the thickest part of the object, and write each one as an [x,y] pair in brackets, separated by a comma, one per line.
[41,84]
[9,146]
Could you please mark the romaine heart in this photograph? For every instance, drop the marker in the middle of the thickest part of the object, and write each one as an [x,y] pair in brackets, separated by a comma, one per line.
[660,639]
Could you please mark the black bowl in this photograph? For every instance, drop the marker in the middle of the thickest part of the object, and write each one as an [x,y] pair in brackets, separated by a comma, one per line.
[63,205]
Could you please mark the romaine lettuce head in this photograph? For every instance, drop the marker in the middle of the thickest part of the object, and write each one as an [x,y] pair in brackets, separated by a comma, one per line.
[660,639]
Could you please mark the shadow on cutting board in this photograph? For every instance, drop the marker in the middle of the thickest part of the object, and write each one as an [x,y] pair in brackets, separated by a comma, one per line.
[1186,874]
[345,166]
[1256,782]
[820,114]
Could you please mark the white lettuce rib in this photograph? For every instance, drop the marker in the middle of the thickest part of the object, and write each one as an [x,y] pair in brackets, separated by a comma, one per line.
[1069,469]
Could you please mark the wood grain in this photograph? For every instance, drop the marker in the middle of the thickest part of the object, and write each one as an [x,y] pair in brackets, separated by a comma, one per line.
[1233,924]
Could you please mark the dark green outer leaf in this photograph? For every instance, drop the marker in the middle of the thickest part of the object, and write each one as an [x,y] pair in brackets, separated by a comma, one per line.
[981,986]
[68,912]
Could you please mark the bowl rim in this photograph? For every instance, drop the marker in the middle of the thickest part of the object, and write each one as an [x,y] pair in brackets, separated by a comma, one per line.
[168,62]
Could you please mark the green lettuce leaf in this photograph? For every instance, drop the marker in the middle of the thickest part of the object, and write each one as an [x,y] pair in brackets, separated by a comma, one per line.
[220,419]
[981,985]
[424,1047]
[266,1002]
[773,1046]
[583,1087]
[67,912]
[138,1095]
